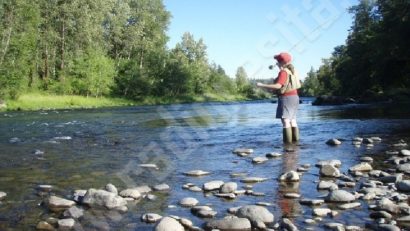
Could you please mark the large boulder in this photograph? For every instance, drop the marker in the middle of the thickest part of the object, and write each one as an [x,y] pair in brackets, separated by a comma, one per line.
[98,197]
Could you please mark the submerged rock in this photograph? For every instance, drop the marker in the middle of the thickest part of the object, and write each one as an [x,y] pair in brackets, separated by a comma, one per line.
[333,142]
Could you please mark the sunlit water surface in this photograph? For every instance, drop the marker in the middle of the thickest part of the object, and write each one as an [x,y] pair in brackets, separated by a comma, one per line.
[90,148]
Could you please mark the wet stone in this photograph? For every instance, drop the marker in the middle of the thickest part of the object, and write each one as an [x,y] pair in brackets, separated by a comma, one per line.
[131,192]
[111,188]
[74,212]
[311,202]
[161,187]
[229,187]
[212,185]
[290,176]
[259,160]
[340,196]
[328,170]
[44,225]
[253,179]
[405,152]
[229,223]
[349,205]
[321,212]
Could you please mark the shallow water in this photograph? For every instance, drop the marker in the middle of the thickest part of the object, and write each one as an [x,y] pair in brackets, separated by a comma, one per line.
[90,148]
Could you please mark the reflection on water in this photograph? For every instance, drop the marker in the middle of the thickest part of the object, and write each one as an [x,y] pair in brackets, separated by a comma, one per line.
[108,145]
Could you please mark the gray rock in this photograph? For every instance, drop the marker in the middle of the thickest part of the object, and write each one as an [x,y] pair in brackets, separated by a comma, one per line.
[380,214]
[161,187]
[196,173]
[111,188]
[404,219]
[229,223]
[366,159]
[404,168]
[168,224]
[58,204]
[229,187]
[311,202]
[340,196]
[66,223]
[44,187]
[131,192]
[188,202]
[206,213]
[226,195]
[321,212]
[391,179]
[144,189]
[336,163]
[387,205]
[335,226]
[403,186]
[333,142]
[362,167]
[349,205]
[151,217]
[74,212]
[405,152]
[259,160]
[212,185]
[152,166]
[376,191]
[243,150]
[95,197]
[286,224]
[292,195]
[44,225]
[253,179]
[327,185]
[255,213]
[328,170]
[2,195]
[290,176]
[273,155]
[78,195]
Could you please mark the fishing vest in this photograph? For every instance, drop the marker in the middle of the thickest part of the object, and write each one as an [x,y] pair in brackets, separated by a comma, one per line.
[292,83]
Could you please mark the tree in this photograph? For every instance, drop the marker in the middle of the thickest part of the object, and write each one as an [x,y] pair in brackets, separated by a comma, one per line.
[241,79]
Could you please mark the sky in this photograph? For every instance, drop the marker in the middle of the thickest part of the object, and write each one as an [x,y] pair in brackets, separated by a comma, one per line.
[249,33]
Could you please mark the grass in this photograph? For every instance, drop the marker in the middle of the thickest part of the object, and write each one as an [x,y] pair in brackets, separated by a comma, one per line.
[37,101]
[41,101]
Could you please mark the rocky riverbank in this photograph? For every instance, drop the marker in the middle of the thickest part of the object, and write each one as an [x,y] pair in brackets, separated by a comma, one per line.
[382,194]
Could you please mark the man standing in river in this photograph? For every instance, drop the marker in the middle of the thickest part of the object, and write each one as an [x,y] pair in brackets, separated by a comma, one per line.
[286,85]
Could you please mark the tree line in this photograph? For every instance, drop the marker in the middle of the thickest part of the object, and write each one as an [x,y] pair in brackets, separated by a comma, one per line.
[104,48]
[375,59]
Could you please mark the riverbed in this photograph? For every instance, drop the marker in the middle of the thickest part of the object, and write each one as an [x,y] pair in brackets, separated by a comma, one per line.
[82,149]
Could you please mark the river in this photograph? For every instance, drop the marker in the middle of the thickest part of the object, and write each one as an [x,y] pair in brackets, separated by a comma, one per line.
[89,148]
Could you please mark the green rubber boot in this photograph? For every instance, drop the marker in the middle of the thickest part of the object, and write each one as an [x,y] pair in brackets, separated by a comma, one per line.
[295,134]
[287,135]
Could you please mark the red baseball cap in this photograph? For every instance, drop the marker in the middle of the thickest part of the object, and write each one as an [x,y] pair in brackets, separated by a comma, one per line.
[283,57]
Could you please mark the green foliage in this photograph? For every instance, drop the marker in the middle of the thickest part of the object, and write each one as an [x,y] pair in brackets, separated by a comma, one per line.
[92,74]
[105,47]
[376,57]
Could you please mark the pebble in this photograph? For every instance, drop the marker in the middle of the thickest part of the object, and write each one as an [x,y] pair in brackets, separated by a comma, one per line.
[212,185]
[340,196]
[321,212]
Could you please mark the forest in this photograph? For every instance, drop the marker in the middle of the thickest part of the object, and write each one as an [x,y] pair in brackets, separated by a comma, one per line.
[108,48]
[114,48]
[374,62]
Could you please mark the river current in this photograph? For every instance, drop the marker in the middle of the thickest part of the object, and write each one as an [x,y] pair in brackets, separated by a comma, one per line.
[82,149]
